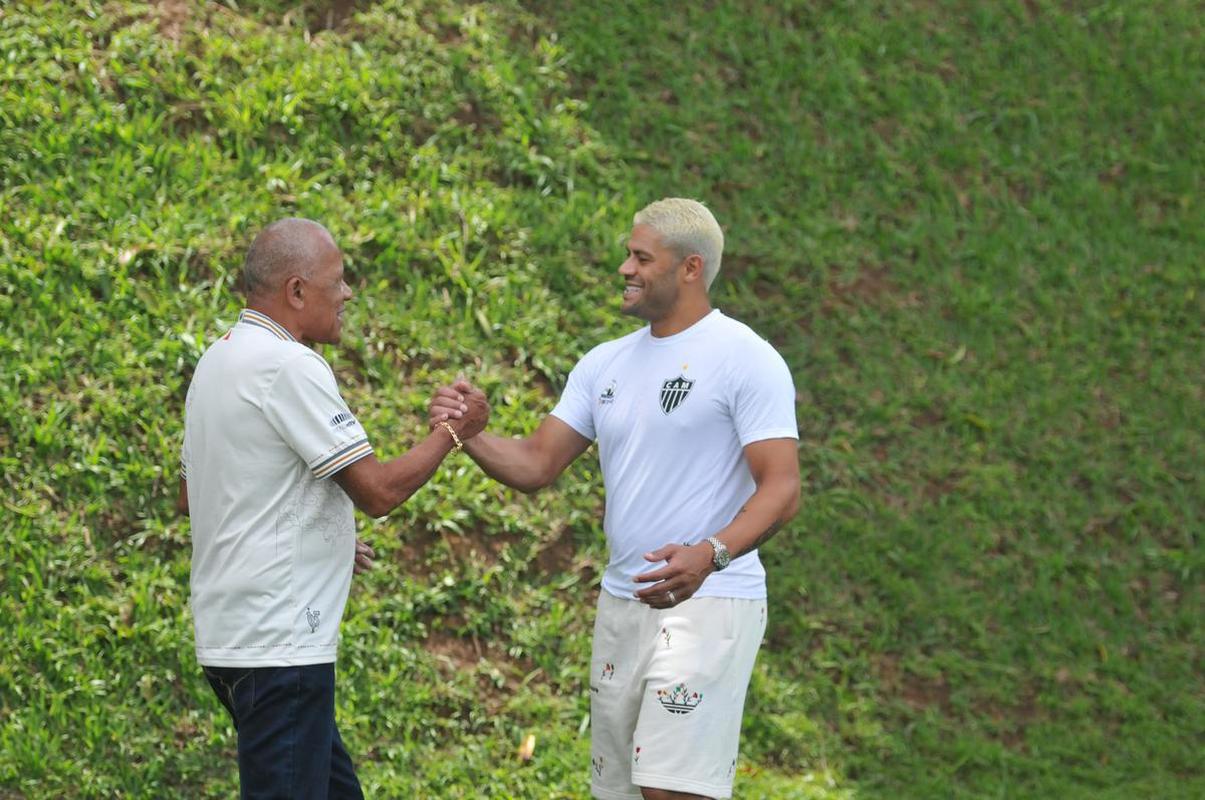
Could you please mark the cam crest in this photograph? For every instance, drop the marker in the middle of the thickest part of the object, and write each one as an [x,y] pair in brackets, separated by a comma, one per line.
[674,392]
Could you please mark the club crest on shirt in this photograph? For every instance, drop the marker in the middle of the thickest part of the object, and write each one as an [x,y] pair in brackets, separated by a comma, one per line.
[674,392]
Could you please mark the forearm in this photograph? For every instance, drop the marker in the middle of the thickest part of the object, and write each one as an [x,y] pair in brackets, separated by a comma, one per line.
[770,508]
[401,477]
[378,487]
[514,462]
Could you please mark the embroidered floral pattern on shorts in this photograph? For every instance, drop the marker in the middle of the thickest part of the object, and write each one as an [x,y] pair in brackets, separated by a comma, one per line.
[679,699]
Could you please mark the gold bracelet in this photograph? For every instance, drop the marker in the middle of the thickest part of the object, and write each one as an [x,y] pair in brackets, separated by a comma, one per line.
[455,438]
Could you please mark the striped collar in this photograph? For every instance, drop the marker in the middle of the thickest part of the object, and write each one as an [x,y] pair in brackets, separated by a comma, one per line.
[262,320]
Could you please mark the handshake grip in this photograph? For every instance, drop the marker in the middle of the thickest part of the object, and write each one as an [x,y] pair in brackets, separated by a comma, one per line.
[461,405]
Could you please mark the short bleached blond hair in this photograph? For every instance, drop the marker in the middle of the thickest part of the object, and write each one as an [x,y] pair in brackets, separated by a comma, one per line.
[687,227]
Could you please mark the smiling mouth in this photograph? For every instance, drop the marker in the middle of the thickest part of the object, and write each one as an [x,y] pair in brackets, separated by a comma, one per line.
[631,289]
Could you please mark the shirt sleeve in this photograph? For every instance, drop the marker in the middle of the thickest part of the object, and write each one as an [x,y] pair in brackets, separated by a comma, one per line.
[576,406]
[306,409]
[764,396]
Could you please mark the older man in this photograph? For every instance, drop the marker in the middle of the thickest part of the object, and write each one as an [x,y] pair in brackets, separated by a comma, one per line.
[695,420]
[272,463]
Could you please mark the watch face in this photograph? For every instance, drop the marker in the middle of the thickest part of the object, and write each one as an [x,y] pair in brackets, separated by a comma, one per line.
[721,557]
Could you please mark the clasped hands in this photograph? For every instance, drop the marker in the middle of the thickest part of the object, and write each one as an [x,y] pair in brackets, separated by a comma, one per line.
[461,405]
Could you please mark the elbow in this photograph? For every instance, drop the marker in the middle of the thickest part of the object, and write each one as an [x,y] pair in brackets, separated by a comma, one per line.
[530,487]
[382,502]
[792,506]
[535,483]
[378,501]
[375,508]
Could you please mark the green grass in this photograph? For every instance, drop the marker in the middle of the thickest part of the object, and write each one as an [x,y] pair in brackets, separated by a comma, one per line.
[973,229]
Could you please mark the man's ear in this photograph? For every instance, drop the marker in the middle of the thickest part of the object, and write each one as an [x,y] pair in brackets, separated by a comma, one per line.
[694,267]
[295,292]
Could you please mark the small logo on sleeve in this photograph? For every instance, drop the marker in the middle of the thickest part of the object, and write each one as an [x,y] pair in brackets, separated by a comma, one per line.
[342,420]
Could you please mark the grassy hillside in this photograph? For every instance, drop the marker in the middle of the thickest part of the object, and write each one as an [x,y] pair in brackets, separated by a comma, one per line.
[973,229]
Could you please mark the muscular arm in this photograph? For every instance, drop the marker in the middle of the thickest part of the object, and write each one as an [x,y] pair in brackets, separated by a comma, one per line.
[775,467]
[774,464]
[531,463]
[525,464]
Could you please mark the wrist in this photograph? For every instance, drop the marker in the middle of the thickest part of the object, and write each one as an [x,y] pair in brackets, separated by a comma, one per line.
[454,437]
[720,557]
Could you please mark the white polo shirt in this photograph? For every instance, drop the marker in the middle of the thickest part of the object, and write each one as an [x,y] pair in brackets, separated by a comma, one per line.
[672,416]
[273,538]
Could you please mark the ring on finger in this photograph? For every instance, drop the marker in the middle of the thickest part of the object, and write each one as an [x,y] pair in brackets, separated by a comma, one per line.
[670,595]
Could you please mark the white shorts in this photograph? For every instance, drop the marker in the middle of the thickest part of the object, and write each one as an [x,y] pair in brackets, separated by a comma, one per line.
[667,692]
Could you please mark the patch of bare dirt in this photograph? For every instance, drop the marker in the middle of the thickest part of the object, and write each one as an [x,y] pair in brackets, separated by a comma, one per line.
[558,555]
[172,16]
[869,286]
[329,15]
[919,692]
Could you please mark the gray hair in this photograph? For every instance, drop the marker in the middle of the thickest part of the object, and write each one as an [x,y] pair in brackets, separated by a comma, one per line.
[687,227]
[286,247]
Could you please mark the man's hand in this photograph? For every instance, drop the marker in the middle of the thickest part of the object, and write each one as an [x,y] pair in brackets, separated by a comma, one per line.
[461,405]
[364,557]
[686,567]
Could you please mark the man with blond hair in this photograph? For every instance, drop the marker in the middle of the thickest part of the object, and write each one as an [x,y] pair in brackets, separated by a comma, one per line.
[695,421]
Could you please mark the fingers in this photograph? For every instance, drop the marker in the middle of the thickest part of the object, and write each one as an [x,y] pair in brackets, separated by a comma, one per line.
[663,595]
[446,404]
[665,573]
[661,554]
[448,407]
[364,556]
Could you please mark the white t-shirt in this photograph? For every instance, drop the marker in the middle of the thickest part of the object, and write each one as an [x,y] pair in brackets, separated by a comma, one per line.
[671,416]
[273,539]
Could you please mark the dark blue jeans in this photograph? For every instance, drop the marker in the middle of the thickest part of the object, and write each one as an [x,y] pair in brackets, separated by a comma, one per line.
[288,745]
